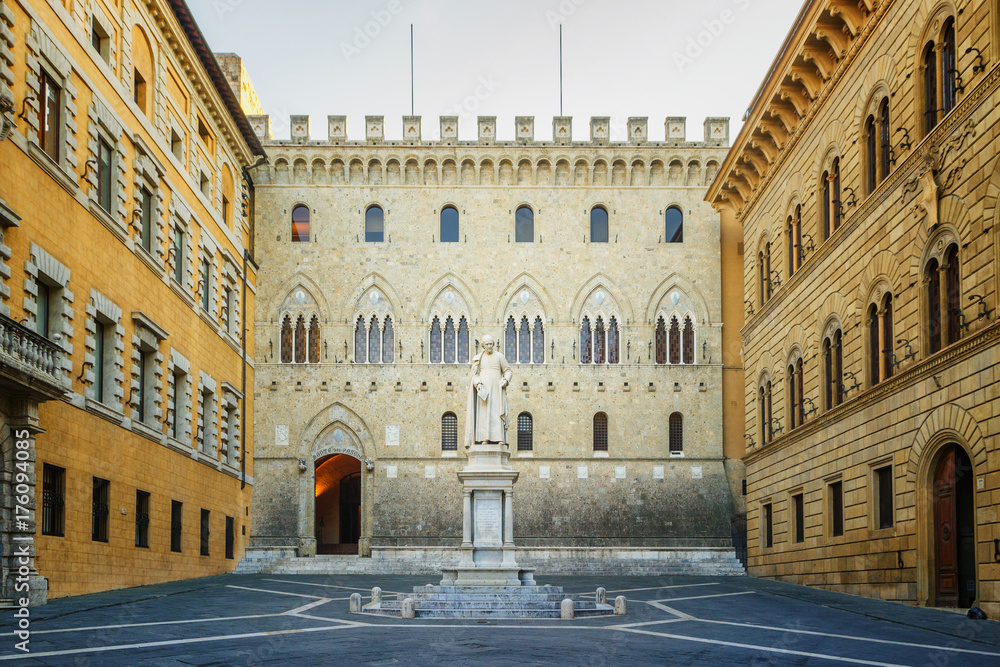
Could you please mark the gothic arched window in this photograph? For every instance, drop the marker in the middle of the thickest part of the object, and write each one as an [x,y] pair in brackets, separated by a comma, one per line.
[675,341]
[614,352]
[953,293]
[388,340]
[676,431]
[661,341]
[933,281]
[300,340]
[585,348]
[538,342]
[286,340]
[599,340]
[360,341]
[449,432]
[374,342]
[598,225]
[510,340]
[449,341]
[314,340]
[435,341]
[525,434]
[463,340]
[524,342]
[688,341]
[600,432]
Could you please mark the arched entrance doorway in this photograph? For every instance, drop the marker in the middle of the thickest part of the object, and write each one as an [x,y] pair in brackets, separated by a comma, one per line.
[954,529]
[338,504]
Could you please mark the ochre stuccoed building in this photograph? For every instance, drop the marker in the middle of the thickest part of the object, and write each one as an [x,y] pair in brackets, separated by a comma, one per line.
[866,180]
[125,281]
[595,264]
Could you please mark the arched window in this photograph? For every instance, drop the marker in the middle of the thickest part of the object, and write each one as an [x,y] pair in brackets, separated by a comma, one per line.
[688,341]
[930,88]
[300,224]
[835,195]
[949,92]
[585,348]
[764,269]
[676,431]
[675,341]
[314,340]
[449,225]
[768,425]
[360,341]
[435,341]
[598,225]
[673,231]
[953,293]
[874,346]
[449,432]
[796,404]
[300,340]
[510,340]
[833,367]
[600,432]
[661,341]
[794,239]
[933,282]
[388,340]
[286,340]
[614,350]
[524,225]
[374,341]
[374,225]
[524,432]
[871,154]
[524,342]
[449,341]
[538,342]
[888,355]
[463,340]
[599,340]
[885,148]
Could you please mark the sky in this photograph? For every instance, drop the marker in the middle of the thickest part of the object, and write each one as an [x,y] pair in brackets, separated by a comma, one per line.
[471,58]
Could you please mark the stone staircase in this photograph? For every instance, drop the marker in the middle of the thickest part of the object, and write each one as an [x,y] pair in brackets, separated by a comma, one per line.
[709,561]
[486,602]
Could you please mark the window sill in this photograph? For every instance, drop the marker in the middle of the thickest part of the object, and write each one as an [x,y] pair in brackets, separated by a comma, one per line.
[525,455]
[207,459]
[178,446]
[147,431]
[104,411]
[55,170]
[449,454]
[149,259]
[601,455]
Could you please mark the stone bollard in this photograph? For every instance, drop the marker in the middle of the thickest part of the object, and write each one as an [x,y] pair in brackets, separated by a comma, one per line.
[621,606]
[566,610]
[355,603]
[376,595]
[409,609]
[602,596]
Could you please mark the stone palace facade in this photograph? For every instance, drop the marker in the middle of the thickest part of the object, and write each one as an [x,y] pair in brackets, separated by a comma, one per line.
[596,267]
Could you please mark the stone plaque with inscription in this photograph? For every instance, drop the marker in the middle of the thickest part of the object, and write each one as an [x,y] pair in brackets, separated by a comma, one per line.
[392,435]
[489,515]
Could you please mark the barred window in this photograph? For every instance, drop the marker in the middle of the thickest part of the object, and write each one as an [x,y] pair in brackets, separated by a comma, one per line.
[525,432]
[449,432]
[688,341]
[204,532]
[676,431]
[176,509]
[300,340]
[230,536]
[661,341]
[53,500]
[314,340]
[101,510]
[675,341]
[600,432]
[142,519]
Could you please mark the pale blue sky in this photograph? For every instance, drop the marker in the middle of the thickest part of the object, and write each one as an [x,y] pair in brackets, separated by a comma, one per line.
[621,58]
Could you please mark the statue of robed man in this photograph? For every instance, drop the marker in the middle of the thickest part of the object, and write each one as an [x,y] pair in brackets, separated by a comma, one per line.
[486,411]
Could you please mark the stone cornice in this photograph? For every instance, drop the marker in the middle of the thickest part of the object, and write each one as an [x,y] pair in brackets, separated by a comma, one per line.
[844,235]
[917,372]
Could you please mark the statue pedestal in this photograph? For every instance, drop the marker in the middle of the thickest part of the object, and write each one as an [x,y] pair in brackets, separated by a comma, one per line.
[488,557]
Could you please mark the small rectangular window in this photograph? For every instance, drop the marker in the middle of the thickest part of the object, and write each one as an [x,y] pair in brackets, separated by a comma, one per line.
[767,536]
[49,115]
[836,494]
[230,536]
[205,284]
[206,185]
[203,132]
[104,174]
[799,516]
[207,403]
[884,503]
[101,510]
[204,532]
[146,208]
[176,145]
[42,304]
[225,211]
[178,252]
[53,500]
[176,509]
[142,519]
[179,389]
[99,40]
[99,334]
[139,90]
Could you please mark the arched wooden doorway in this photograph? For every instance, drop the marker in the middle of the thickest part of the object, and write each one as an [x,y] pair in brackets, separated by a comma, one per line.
[338,504]
[954,529]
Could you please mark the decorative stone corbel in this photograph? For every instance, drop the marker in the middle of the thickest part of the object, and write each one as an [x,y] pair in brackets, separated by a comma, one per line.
[7,113]
[928,199]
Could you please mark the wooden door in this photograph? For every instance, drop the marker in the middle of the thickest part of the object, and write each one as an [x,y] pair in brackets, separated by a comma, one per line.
[945,533]
[350,508]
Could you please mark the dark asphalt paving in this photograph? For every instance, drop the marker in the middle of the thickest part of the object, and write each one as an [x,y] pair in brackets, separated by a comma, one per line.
[671,620]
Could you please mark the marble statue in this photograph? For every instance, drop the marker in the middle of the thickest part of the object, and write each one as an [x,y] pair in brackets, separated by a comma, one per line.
[486,416]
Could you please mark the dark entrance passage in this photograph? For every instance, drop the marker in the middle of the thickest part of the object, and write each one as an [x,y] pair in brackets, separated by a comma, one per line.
[338,504]
[954,530]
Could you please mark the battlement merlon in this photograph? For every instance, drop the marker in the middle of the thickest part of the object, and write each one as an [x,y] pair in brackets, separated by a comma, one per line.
[716,132]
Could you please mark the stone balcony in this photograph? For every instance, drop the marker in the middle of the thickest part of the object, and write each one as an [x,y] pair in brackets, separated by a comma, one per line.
[30,364]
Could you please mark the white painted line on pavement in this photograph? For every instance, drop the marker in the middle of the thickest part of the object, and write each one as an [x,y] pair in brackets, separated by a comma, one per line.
[264,590]
[171,642]
[330,620]
[752,647]
[309,583]
[754,626]
[644,623]
[656,588]
[140,625]
[305,607]
[705,597]
[662,607]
